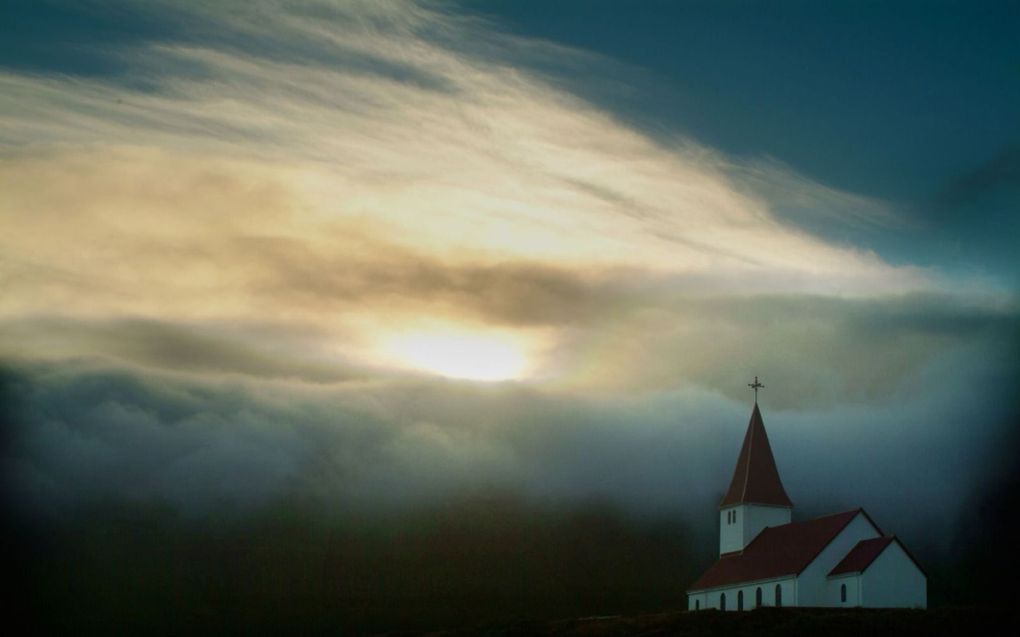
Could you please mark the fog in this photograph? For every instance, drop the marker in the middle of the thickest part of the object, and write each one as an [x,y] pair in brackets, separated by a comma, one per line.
[418,503]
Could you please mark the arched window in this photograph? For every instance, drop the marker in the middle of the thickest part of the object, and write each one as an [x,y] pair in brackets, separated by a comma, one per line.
[757,597]
[779,595]
[740,600]
[722,602]
[842,593]
[697,604]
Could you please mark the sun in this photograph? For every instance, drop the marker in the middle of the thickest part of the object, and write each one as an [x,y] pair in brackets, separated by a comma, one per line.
[463,354]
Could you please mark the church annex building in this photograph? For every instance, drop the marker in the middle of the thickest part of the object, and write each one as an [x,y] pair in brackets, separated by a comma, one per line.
[765,559]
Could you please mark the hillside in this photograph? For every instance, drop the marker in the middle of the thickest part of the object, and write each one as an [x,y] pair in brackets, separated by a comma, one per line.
[786,622]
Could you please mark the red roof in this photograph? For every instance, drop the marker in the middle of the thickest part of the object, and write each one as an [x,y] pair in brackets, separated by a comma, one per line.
[756,479]
[777,551]
[865,552]
[862,555]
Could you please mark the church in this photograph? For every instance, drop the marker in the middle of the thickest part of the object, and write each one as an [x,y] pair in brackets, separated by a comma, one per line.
[766,559]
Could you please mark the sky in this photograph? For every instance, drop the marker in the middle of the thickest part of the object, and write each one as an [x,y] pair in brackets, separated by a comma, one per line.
[375,257]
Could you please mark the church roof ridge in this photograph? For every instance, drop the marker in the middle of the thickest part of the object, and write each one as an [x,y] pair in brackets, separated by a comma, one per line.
[799,523]
[865,552]
[861,555]
[778,551]
[756,478]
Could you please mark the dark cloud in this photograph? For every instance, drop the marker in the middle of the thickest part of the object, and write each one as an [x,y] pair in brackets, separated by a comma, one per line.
[86,431]
[205,349]
[402,504]
[518,293]
[1000,175]
[971,220]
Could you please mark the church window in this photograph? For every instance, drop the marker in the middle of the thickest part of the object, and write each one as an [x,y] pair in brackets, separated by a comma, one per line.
[842,593]
[722,602]
[757,597]
[779,595]
[740,600]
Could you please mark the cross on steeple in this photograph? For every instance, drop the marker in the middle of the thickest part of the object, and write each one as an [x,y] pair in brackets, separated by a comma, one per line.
[755,386]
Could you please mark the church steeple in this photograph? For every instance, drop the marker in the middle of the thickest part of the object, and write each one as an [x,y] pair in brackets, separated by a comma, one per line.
[756,498]
[756,478]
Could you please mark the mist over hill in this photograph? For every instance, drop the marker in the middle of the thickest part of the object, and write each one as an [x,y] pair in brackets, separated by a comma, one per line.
[138,551]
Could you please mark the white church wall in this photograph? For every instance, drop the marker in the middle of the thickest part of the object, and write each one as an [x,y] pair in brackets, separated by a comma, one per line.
[894,581]
[833,592]
[756,517]
[812,587]
[789,592]
[787,596]
[730,536]
[696,601]
[713,598]
[740,524]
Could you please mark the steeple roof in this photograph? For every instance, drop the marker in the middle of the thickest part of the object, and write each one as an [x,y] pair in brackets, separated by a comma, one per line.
[756,479]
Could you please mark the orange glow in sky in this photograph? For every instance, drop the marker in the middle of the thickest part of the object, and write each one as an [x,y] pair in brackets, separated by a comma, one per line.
[469,355]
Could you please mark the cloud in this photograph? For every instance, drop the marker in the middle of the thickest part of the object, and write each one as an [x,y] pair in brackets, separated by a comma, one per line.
[288,186]
[402,121]
[85,433]
[618,332]
[255,351]
[998,175]
[817,350]
[972,218]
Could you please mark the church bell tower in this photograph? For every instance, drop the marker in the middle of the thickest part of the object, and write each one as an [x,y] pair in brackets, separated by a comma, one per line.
[756,498]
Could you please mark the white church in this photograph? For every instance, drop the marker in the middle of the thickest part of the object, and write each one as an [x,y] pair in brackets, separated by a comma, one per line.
[766,559]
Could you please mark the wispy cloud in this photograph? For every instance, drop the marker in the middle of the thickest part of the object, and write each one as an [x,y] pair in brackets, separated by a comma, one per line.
[344,169]
[411,118]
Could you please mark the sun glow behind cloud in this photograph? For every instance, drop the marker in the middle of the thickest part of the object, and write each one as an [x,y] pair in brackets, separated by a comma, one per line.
[460,353]
[400,164]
